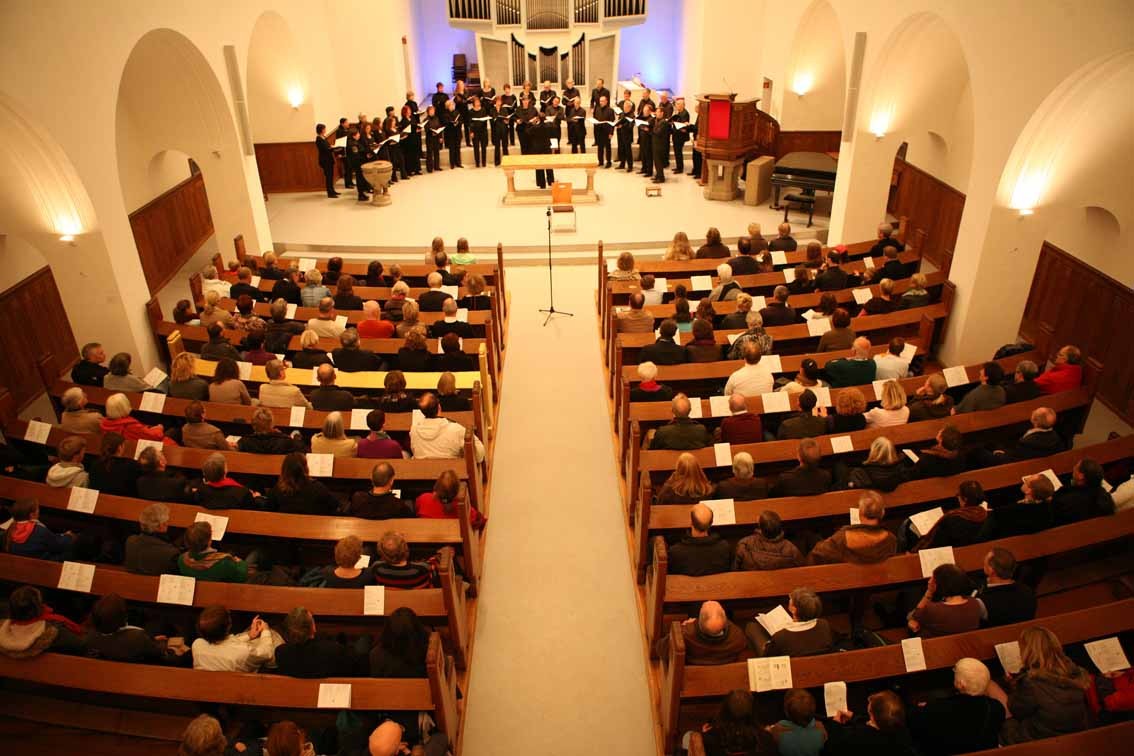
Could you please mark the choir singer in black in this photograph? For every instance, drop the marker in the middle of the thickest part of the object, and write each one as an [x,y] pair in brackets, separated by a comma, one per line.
[501,124]
[680,134]
[434,128]
[507,109]
[453,134]
[478,123]
[659,144]
[604,116]
[355,156]
[538,132]
[326,158]
[576,126]
[645,142]
[599,92]
[626,136]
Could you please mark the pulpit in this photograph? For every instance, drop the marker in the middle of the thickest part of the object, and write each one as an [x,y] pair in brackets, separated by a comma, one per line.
[729,133]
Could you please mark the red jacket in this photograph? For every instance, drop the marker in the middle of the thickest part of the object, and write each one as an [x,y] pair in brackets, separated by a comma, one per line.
[1062,377]
[376,329]
[133,430]
[430,507]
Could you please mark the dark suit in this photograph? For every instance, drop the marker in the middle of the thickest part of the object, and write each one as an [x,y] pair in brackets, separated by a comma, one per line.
[432,300]
[331,399]
[680,137]
[659,144]
[598,93]
[782,244]
[802,481]
[603,133]
[879,246]
[441,328]
[682,435]
[1038,444]
[831,279]
[696,557]
[778,314]
[356,360]
[238,289]
[1022,392]
[663,352]
[742,265]
[326,163]
[893,269]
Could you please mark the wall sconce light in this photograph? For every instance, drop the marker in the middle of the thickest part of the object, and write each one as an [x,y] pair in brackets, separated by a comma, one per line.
[880,123]
[802,83]
[68,227]
[1029,188]
[295,97]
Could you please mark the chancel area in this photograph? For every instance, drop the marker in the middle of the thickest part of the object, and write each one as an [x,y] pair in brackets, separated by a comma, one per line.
[650,377]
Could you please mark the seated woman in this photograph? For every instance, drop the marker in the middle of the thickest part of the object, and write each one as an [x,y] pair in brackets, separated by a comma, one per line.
[378,444]
[183,313]
[681,313]
[451,400]
[212,313]
[648,389]
[841,336]
[967,720]
[374,275]
[679,248]
[705,311]
[113,638]
[915,296]
[399,293]
[346,573]
[313,289]
[882,469]
[28,537]
[395,398]
[476,299]
[226,386]
[947,606]
[120,378]
[333,438]
[893,410]
[687,483]
[297,493]
[254,351]
[310,354]
[826,307]
[463,256]
[806,379]
[202,562]
[799,733]
[802,283]
[734,729]
[703,347]
[265,438]
[414,357]
[755,333]
[849,407]
[345,298]
[334,271]
[118,420]
[441,502]
[808,633]
[184,383]
[400,651]
[743,485]
[624,269]
[218,649]
[1048,697]
[33,628]
[883,302]
[113,473]
[930,401]
[245,319]
[409,320]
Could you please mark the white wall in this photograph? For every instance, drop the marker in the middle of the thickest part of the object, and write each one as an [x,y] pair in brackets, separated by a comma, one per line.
[277,68]
[18,260]
[366,39]
[817,53]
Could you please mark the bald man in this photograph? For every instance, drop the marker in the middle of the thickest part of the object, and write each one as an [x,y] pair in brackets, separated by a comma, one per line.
[681,433]
[328,397]
[637,319]
[885,239]
[386,740]
[784,242]
[434,299]
[742,426]
[856,370]
[700,552]
[1040,440]
[710,638]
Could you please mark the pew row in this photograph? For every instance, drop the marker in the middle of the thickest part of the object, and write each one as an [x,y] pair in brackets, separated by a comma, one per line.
[680,682]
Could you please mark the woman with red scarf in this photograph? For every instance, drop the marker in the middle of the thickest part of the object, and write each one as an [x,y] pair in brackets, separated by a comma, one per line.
[32,627]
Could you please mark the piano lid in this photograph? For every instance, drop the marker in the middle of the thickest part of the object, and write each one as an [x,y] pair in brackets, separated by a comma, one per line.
[807,163]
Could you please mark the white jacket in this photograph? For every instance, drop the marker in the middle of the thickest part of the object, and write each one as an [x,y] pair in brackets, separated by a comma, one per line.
[440,438]
[236,653]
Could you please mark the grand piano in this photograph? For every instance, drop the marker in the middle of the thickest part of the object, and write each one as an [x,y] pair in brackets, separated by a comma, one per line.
[809,172]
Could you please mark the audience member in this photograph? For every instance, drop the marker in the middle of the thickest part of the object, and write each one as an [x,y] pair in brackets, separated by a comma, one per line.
[26,536]
[1041,440]
[33,628]
[960,526]
[840,336]
[184,383]
[806,378]
[832,277]
[436,437]
[1031,514]
[966,720]
[296,492]
[402,646]
[753,378]
[865,543]
[306,655]
[1023,386]
[703,347]
[313,290]
[89,370]
[882,302]
[850,409]
[740,427]
[681,433]
[648,389]
[113,638]
[884,733]
[767,548]
[947,606]
[76,418]
[394,397]
[198,434]
[885,239]
[226,386]
[624,269]
[856,370]
[349,358]
[1082,499]
[345,298]
[218,491]
[679,248]
[805,423]
[743,485]
[287,288]
[69,470]
[213,314]
[755,334]
[451,400]
[710,638]
[808,634]
[156,483]
[893,410]
[664,351]
[988,395]
[218,649]
[120,378]
[266,439]
[890,364]
[893,267]
[311,354]
[394,568]
[801,281]
[916,295]
[1049,697]
[713,247]
[452,358]
[883,469]
[744,263]
[392,309]
[151,552]
[687,483]
[327,397]
[1003,600]
[1065,373]
[943,459]
[434,299]
[726,289]
[777,312]
[414,356]
[245,318]
[450,323]
[378,444]
[800,733]
[931,402]
[808,479]
[441,503]
[202,562]
[784,242]
[118,420]
[700,552]
[346,572]
[218,346]
[113,473]
[733,730]
[333,439]
[326,322]
[277,392]
[372,325]
[380,502]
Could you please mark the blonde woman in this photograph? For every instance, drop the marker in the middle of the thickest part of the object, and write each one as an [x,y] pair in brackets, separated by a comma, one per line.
[463,256]
[184,383]
[881,470]
[410,313]
[679,248]
[399,295]
[893,410]
[213,312]
[333,438]
[624,269]
[1048,697]
[437,245]
[917,295]
[687,483]
[310,353]
[850,404]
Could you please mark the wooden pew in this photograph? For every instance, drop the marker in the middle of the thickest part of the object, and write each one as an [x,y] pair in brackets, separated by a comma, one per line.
[772,452]
[916,323]
[268,465]
[652,520]
[456,532]
[663,589]
[682,682]
[446,603]
[652,414]
[436,692]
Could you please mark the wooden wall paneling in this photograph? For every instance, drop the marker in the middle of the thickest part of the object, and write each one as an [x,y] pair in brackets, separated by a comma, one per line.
[37,326]
[1071,302]
[807,141]
[932,205]
[291,167]
[170,229]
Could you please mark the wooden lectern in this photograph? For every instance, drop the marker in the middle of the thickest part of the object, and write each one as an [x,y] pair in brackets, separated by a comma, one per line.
[729,133]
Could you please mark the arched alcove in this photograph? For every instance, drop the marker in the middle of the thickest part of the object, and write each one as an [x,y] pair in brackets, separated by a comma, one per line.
[817,68]
[279,88]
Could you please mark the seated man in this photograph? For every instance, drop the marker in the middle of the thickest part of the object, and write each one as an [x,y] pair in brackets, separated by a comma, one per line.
[372,326]
[1030,514]
[885,239]
[856,370]
[636,319]
[388,740]
[201,561]
[151,552]
[197,434]
[945,458]
[434,299]
[328,397]
[349,358]
[743,485]
[394,568]
[69,470]
[266,439]
[701,552]
[76,418]
[808,479]
[326,324]
[777,312]
[26,536]
[113,638]
[767,548]
[710,638]
[218,346]
[744,264]
[890,364]
[968,720]
[1023,386]
[666,350]
[988,395]
[1003,600]
[218,491]
[831,276]
[681,433]
[277,392]
[1065,373]
[1040,440]
[742,426]
[244,285]
[1085,497]
[450,323]
[728,289]
[156,483]
[807,634]
[883,302]
[784,242]
[436,437]
[883,732]
[648,389]
[308,656]
[89,371]
[894,268]
[452,358]
[753,378]
[218,649]
[866,543]
[380,502]
[805,423]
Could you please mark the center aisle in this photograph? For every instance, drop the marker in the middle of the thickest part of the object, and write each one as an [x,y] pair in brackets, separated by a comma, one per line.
[558,666]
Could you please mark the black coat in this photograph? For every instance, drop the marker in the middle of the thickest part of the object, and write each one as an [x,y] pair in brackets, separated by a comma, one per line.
[696,557]
[275,442]
[432,300]
[319,657]
[222,497]
[119,477]
[356,360]
[287,290]
[802,481]
[87,373]
[663,352]
[164,485]
[151,554]
[312,498]
[386,506]
[331,399]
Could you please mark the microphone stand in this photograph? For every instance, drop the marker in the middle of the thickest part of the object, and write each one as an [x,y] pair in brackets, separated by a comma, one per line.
[550,280]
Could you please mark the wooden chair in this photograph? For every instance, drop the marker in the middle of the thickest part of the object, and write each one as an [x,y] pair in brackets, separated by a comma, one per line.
[562,207]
